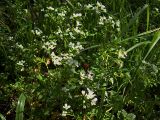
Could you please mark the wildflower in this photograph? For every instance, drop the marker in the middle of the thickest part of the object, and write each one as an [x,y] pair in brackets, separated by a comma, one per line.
[62,14]
[76,47]
[26,11]
[122,54]
[78,23]
[71,45]
[21,63]
[90,75]
[77,15]
[102,20]
[77,30]
[72,62]
[42,10]
[19,46]
[49,45]
[118,23]
[56,59]
[64,113]
[94,101]
[37,31]
[89,6]
[83,92]
[10,38]
[82,75]
[79,46]
[90,94]
[101,7]
[59,31]
[50,8]
[65,56]
[66,107]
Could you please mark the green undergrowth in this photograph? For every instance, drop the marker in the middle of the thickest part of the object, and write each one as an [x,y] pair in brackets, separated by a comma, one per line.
[79,60]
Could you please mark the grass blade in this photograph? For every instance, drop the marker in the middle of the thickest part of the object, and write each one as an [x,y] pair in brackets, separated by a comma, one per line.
[133,20]
[20,107]
[2,117]
[148,14]
[154,41]
[137,45]
[140,35]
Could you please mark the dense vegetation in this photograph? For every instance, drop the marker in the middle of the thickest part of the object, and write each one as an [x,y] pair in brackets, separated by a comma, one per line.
[80,59]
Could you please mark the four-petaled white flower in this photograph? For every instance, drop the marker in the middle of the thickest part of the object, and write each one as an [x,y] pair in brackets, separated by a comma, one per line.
[66,106]
[90,94]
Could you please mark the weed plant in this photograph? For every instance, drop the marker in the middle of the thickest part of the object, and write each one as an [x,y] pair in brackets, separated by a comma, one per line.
[83,60]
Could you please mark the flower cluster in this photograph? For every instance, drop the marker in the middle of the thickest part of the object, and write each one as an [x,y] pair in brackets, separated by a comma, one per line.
[75,47]
[21,65]
[99,7]
[86,75]
[49,45]
[37,31]
[90,95]
[65,109]
[56,59]
[66,58]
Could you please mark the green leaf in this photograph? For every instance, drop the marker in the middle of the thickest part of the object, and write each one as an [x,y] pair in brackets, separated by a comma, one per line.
[153,43]
[20,107]
[2,117]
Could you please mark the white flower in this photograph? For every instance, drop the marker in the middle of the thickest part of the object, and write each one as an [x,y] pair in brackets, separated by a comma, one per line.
[50,8]
[77,30]
[102,20]
[75,15]
[19,46]
[90,94]
[37,31]
[26,11]
[79,46]
[118,23]
[72,62]
[94,101]
[66,106]
[90,75]
[71,45]
[89,6]
[64,113]
[10,38]
[42,9]
[83,92]
[21,63]
[49,45]
[76,47]
[56,59]
[65,56]
[62,14]
[102,7]
[82,75]
[78,23]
